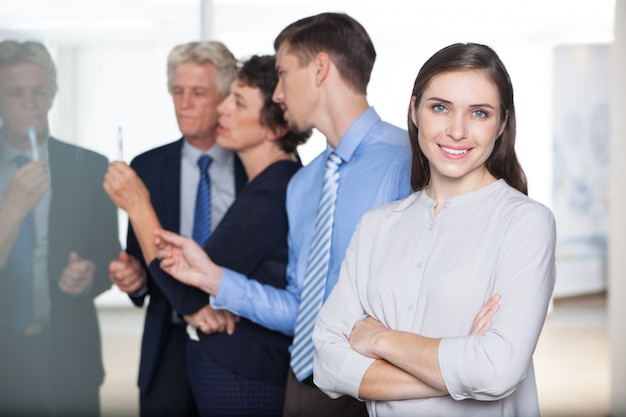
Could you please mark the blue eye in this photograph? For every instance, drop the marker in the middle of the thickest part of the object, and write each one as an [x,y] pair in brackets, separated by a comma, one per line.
[439,108]
[480,114]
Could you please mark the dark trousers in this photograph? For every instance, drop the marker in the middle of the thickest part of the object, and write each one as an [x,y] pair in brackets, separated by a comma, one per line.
[220,392]
[170,393]
[25,374]
[75,399]
[33,383]
[302,400]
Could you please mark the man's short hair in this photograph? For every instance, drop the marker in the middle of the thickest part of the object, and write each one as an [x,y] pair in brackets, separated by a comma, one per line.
[341,37]
[14,52]
[201,53]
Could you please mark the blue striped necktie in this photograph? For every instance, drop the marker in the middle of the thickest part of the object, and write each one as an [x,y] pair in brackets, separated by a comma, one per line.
[314,284]
[21,264]
[202,211]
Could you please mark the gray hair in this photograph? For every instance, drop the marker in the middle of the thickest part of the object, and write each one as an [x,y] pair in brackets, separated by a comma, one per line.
[210,52]
[14,52]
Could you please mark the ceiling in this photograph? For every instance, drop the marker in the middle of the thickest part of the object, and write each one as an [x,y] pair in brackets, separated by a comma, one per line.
[115,21]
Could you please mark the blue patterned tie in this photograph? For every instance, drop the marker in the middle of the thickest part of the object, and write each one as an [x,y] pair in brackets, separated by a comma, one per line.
[314,284]
[21,264]
[202,212]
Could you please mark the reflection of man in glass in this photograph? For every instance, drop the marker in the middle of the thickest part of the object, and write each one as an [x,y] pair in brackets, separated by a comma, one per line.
[58,231]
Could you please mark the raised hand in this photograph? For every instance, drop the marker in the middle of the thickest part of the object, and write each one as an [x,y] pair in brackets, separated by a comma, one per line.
[185,260]
[28,185]
[125,188]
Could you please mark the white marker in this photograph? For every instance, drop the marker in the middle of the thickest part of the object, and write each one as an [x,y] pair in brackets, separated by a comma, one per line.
[32,136]
[120,144]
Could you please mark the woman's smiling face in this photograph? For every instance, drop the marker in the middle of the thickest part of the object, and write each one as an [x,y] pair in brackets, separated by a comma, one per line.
[458,121]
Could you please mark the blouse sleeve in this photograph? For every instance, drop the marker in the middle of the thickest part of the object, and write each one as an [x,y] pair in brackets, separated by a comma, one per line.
[491,366]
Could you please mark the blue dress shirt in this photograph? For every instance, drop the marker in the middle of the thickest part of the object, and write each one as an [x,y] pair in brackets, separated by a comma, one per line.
[376,170]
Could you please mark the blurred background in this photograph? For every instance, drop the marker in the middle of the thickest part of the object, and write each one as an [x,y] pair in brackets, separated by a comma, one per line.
[561,55]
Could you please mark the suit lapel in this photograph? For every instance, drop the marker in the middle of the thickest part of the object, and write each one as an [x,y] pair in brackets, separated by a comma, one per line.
[170,186]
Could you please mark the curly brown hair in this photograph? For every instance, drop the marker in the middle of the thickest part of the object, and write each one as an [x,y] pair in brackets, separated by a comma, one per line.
[259,72]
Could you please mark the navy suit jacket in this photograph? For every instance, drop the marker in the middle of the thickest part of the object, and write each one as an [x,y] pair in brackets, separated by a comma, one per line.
[83,219]
[251,239]
[160,170]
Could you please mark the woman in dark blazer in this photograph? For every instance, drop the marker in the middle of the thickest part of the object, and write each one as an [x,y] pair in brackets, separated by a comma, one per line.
[242,370]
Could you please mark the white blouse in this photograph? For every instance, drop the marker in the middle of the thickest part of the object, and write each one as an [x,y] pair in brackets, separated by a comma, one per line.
[430,274]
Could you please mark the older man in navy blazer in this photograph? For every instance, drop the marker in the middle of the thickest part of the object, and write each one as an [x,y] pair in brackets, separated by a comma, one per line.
[199,77]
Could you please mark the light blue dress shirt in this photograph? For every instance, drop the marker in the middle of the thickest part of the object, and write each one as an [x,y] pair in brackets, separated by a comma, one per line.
[376,170]
[223,187]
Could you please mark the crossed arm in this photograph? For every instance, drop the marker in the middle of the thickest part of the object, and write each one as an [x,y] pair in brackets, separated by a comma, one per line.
[407,364]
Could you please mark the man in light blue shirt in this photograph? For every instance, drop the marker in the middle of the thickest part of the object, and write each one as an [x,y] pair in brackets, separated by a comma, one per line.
[377,170]
[324,64]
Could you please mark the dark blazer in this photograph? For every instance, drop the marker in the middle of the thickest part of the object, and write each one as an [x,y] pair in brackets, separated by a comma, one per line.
[83,219]
[251,239]
[160,170]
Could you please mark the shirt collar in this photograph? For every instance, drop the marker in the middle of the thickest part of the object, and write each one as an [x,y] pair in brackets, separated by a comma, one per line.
[8,153]
[355,135]
[191,153]
[481,193]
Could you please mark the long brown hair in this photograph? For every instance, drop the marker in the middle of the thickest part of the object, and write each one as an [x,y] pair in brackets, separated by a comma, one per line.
[502,163]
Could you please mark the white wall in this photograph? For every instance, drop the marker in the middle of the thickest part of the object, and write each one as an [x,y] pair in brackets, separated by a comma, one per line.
[111,56]
[122,82]
[617,237]
[581,170]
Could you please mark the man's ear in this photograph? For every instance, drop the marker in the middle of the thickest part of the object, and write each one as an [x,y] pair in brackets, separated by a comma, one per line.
[322,65]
